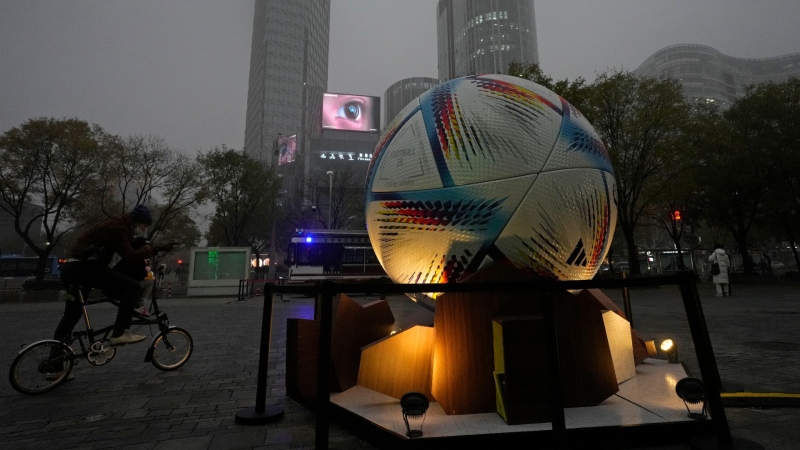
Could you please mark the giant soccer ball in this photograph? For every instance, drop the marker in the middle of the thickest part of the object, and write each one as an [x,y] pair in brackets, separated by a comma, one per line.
[489,168]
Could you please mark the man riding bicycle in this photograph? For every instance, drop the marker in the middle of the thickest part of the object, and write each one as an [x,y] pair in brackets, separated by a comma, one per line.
[88,266]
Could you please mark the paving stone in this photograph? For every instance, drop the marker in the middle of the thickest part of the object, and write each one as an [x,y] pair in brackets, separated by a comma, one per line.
[192,442]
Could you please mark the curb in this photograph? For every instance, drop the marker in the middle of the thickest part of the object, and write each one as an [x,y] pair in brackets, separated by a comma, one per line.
[760,399]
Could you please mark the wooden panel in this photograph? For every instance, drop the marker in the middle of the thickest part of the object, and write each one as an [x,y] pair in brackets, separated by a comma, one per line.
[463,379]
[587,370]
[399,363]
[618,333]
[355,326]
[463,382]
[521,357]
[600,300]
[302,354]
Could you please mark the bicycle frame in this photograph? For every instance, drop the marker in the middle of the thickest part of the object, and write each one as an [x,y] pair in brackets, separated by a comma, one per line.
[158,318]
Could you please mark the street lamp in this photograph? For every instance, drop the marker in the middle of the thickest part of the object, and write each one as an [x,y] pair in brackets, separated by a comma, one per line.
[330,195]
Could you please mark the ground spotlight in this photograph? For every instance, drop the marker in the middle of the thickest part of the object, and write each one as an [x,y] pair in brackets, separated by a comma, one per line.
[414,406]
[671,350]
[692,390]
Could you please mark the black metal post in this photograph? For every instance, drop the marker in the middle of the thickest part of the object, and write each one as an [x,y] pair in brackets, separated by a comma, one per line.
[626,301]
[554,364]
[262,413]
[324,366]
[705,357]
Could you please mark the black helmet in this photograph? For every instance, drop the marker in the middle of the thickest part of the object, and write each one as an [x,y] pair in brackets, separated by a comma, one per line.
[141,214]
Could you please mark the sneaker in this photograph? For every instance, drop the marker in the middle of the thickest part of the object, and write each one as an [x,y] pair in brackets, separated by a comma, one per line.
[141,312]
[126,338]
[53,376]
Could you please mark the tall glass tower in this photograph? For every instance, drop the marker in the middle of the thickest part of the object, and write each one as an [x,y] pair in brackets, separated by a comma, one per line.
[288,74]
[710,76]
[402,92]
[484,36]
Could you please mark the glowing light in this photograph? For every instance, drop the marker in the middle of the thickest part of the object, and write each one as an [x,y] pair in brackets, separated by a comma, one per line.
[308,239]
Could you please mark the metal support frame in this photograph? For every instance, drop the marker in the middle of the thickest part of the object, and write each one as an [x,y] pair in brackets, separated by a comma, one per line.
[262,413]
[560,436]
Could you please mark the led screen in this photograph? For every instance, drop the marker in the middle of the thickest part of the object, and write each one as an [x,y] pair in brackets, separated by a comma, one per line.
[350,112]
[287,147]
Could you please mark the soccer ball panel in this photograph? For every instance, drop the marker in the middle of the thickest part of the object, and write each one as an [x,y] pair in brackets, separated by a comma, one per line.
[440,235]
[578,145]
[485,128]
[406,162]
[563,227]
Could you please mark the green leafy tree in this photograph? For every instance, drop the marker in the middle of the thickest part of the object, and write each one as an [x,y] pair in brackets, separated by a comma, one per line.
[51,163]
[244,192]
[765,127]
[642,122]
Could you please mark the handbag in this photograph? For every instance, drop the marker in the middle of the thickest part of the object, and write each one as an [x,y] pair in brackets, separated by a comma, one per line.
[714,268]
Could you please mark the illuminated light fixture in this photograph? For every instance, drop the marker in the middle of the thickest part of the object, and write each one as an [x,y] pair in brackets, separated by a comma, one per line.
[414,406]
[308,239]
[671,350]
[692,390]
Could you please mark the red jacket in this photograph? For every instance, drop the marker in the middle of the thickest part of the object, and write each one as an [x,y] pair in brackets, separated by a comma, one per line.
[113,235]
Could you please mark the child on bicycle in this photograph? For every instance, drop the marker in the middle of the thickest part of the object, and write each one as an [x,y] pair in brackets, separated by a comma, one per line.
[88,266]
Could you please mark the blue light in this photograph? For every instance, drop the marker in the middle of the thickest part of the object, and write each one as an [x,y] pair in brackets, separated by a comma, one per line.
[308,239]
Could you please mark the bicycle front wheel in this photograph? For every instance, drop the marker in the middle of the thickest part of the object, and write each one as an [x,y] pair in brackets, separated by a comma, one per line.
[40,367]
[171,348]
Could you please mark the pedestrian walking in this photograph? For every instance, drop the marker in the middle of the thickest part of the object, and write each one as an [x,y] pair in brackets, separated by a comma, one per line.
[720,265]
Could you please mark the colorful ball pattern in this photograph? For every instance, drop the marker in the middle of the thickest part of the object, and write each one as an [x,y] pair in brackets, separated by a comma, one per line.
[490,168]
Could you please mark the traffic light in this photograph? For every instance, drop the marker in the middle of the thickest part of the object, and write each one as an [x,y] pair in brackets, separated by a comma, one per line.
[676,215]
[180,262]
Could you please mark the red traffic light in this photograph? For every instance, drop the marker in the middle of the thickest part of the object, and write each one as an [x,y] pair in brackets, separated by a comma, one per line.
[180,261]
[676,215]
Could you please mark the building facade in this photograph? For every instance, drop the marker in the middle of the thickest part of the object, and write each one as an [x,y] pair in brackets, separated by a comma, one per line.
[288,73]
[401,93]
[711,76]
[484,36]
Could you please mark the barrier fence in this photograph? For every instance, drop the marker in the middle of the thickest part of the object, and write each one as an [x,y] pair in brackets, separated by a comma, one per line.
[252,287]
[559,436]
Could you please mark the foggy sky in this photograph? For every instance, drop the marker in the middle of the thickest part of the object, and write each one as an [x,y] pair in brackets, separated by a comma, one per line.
[178,69]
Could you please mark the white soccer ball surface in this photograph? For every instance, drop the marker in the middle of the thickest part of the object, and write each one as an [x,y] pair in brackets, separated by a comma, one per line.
[490,168]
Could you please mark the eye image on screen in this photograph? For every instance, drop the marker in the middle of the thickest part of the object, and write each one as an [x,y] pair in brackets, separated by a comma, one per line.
[349,112]
[287,147]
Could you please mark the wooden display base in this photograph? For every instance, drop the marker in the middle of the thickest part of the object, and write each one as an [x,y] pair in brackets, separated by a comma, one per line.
[354,326]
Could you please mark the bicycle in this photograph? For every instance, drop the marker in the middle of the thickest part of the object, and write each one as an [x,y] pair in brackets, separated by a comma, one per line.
[32,370]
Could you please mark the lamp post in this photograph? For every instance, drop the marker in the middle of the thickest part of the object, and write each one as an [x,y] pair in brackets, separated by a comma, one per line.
[330,195]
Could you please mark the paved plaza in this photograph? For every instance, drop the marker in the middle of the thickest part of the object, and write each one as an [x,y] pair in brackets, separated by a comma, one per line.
[129,404]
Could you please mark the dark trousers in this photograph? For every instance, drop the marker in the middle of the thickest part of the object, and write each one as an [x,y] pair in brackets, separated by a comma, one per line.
[112,283]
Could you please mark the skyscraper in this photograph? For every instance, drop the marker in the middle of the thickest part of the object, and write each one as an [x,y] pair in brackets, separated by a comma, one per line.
[708,75]
[288,73]
[402,92]
[484,36]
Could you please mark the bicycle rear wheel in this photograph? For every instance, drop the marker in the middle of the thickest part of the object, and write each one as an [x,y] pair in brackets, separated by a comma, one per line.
[40,367]
[171,348]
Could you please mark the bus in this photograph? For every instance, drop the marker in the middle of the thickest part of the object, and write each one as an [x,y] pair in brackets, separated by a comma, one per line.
[25,266]
[332,254]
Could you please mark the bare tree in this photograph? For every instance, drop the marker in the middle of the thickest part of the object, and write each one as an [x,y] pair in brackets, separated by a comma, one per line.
[330,201]
[51,163]
[145,170]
